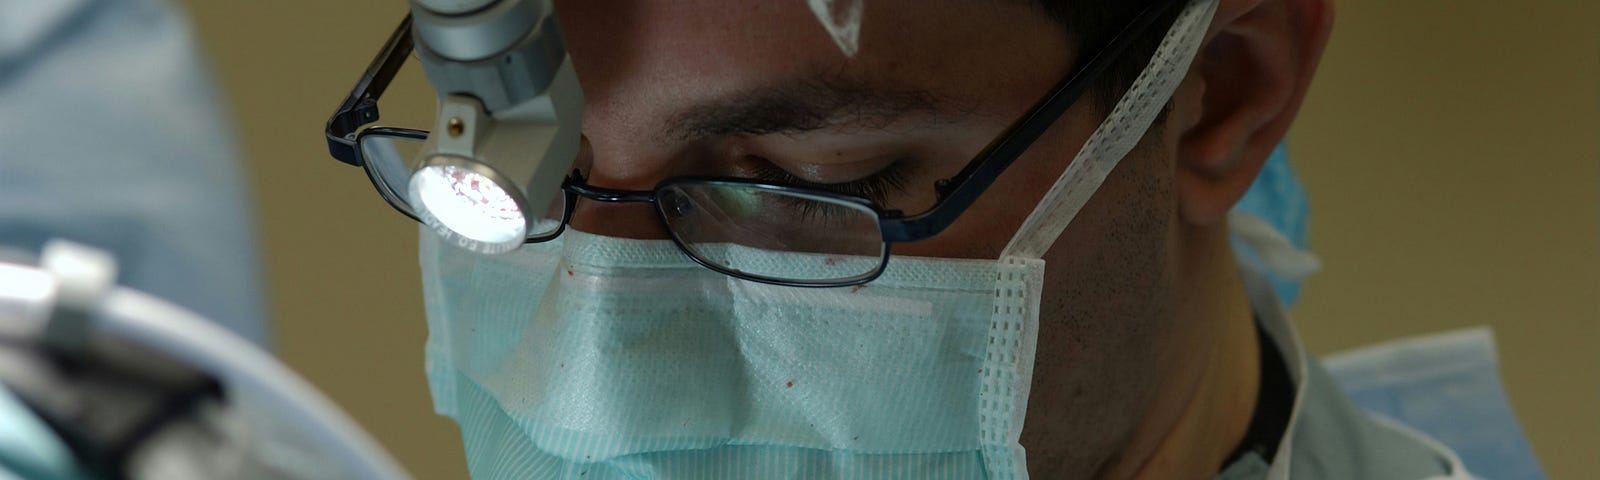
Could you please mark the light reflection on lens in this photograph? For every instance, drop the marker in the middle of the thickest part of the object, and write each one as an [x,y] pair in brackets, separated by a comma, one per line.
[773,234]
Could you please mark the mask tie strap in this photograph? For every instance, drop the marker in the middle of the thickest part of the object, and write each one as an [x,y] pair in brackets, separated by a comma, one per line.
[1122,130]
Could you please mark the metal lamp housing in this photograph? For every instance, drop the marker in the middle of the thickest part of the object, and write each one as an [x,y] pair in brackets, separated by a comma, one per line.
[510,108]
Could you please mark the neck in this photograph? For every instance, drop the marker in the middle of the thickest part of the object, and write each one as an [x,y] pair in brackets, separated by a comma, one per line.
[1214,369]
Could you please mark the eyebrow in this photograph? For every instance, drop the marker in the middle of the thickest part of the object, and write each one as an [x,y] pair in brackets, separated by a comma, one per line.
[803,106]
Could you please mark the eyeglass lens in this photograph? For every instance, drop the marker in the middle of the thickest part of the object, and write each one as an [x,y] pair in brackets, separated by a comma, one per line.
[773,233]
[742,229]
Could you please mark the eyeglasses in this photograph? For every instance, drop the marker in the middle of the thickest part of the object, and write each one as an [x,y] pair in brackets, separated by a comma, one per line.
[749,229]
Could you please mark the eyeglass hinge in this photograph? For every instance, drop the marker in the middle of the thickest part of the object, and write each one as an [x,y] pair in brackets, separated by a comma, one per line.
[941,189]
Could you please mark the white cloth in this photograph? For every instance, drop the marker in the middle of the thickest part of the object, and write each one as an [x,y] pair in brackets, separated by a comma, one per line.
[1328,437]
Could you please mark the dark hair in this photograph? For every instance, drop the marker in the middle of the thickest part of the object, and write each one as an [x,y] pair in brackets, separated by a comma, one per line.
[1091,23]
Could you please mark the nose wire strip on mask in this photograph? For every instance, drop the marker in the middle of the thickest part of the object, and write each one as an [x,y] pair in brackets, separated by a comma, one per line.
[1118,135]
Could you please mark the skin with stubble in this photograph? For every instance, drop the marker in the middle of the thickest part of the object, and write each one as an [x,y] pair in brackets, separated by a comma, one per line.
[1147,358]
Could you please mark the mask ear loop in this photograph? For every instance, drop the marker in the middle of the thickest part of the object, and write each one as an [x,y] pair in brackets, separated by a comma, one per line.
[1275,252]
[1122,130]
[842,19]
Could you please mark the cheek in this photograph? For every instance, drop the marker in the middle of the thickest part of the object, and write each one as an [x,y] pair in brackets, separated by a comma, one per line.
[1107,304]
[1108,279]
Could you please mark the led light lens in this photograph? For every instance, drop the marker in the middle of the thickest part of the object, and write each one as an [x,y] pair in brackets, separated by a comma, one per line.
[470,204]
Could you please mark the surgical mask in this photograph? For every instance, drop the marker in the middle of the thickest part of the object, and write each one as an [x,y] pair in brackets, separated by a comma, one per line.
[599,357]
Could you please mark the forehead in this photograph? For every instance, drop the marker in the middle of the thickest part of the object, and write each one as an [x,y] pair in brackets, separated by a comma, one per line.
[640,59]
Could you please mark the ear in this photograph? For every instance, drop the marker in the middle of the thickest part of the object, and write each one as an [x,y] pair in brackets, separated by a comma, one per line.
[1251,75]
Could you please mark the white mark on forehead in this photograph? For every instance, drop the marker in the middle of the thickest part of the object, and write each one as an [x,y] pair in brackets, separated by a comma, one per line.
[842,18]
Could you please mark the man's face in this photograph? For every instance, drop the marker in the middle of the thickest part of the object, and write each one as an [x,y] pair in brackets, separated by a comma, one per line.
[760,89]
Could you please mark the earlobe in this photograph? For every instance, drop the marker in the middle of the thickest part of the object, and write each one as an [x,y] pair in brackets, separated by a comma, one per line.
[1255,69]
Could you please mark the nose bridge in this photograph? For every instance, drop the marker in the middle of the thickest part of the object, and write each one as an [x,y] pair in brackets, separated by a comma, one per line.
[619,171]
[637,220]
[616,206]
[626,218]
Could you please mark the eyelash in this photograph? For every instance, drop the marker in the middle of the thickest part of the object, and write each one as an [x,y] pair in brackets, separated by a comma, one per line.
[876,187]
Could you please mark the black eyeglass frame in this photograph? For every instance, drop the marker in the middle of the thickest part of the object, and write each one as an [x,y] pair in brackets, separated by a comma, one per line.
[953,195]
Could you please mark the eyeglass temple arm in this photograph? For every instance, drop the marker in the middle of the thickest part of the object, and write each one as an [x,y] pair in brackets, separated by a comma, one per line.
[361,106]
[958,193]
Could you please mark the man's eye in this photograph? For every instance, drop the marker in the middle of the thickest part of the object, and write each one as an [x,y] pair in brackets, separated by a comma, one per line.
[878,187]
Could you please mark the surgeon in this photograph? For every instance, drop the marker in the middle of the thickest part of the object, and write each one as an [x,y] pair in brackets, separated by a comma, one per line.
[908,239]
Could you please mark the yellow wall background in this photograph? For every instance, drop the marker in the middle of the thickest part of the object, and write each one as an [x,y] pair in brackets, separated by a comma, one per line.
[1450,149]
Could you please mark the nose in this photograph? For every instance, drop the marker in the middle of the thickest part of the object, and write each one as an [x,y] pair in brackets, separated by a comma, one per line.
[637,220]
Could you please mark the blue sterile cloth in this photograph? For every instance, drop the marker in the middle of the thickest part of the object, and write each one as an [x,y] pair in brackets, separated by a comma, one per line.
[1447,386]
[111,135]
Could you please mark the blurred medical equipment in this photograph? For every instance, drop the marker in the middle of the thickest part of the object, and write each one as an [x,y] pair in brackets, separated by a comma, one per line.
[140,162]
[99,381]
